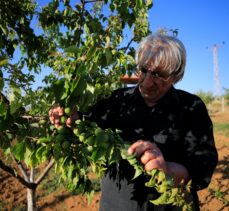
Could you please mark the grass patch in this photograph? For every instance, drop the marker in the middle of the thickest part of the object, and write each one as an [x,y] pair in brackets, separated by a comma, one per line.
[222,128]
[49,184]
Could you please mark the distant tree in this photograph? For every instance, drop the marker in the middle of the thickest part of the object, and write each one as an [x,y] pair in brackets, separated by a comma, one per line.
[226,95]
[207,97]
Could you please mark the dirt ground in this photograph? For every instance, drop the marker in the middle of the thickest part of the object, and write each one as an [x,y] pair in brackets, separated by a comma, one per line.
[214,198]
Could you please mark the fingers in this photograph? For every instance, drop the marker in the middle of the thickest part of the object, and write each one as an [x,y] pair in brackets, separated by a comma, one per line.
[54,115]
[69,122]
[149,155]
[140,147]
[73,117]
[153,159]
[157,162]
[154,164]
[56,112]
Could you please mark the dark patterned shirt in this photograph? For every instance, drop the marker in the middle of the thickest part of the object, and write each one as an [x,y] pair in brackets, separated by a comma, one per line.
[180,126]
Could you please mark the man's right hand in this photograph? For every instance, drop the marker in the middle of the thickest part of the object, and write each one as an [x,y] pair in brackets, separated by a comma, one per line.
[57,112]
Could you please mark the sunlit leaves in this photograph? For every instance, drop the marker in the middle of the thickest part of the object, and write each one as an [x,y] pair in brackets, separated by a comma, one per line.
[86,48]
[19,150]
[3,61]
[14,98]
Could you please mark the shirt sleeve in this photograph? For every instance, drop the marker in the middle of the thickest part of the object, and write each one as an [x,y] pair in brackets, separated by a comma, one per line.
[200,154]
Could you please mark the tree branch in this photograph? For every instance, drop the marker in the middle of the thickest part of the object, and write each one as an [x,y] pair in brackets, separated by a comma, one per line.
[34,117]
[31,179]
[45,172]
[80,22]
[21,168]
[93,1]
[11,171]
[128,45]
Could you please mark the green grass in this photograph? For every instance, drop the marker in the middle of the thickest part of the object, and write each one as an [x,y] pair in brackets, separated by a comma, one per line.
[221,195]
[49,184]
[222,128]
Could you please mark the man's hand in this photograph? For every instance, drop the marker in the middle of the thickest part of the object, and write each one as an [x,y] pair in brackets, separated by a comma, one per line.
[152,158]
[149,155]
[57,112]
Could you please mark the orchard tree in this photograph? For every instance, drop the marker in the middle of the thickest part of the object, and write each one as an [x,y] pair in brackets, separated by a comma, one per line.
[207,97]
[226,95]
[88,46]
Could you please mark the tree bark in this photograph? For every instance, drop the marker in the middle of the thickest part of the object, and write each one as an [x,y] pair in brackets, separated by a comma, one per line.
[31,199]
[31,194]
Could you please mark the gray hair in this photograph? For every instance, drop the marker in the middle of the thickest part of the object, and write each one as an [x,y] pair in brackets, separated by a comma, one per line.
[164,52]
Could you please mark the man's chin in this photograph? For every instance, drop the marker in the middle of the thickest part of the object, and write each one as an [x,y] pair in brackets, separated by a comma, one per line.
[149,98]
[148,95]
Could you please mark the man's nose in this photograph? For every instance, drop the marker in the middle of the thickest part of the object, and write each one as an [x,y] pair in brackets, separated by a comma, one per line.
[148,80]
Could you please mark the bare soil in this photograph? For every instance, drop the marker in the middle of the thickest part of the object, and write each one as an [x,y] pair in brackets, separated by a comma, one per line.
[213,198]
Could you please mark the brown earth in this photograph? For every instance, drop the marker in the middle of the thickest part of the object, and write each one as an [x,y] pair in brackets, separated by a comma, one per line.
[214,198]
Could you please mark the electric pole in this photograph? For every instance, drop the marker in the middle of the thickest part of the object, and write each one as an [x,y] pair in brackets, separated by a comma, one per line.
[217,86]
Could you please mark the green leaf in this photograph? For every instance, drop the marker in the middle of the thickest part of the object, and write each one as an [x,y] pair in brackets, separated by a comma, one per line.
[4,29]
[3,109]
[3,61]
[15,89]
[161,176]
[91,52]
[90,196]
[19,150]
[72,49]
[138,4]
[149,3]
[27,156]
[33,160]
[43,153]
[161,199]
[58,89]
[108,56]
[137,173]
[114,156]
[44,139]
[97,154]
[14,98]
[1,83]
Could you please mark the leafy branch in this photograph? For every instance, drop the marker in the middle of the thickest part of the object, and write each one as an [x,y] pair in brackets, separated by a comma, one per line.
[101,148]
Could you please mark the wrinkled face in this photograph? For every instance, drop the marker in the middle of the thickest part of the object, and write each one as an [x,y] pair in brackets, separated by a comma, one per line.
[153,84]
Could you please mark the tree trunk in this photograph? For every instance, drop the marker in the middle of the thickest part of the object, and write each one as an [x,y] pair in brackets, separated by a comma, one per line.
[31,199]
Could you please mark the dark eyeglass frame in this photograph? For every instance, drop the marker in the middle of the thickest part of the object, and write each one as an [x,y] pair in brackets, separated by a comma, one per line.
[154,74]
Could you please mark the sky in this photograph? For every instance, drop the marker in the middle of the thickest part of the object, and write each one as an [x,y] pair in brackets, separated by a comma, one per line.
[201,24]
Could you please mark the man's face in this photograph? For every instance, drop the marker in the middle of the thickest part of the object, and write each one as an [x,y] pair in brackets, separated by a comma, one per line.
[154,84]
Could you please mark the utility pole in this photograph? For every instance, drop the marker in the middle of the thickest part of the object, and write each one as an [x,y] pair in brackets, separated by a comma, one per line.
[217,86]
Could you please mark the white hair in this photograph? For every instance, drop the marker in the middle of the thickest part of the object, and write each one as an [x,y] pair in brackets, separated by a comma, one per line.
[164,52]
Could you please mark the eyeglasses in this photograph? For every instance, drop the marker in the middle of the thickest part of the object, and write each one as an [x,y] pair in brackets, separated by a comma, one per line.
[154,74]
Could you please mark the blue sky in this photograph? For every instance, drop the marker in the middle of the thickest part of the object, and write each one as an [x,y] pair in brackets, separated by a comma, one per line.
[201,24]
